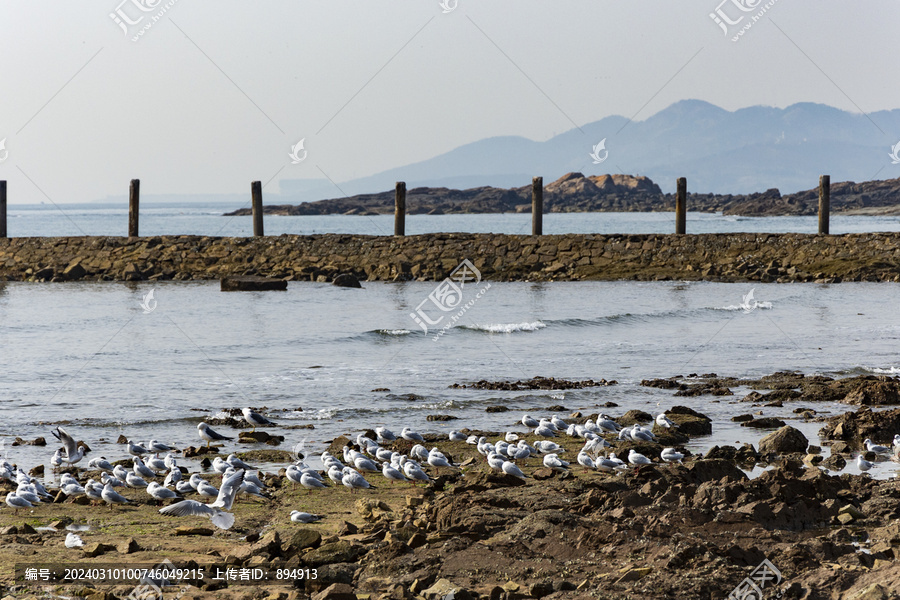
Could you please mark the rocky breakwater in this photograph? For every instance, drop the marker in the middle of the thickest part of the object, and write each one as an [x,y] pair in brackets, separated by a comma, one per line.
[717,257]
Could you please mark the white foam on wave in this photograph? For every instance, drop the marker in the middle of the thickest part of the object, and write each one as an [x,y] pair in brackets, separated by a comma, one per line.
[506,327]
[746,308]
[393,331]
[880,371]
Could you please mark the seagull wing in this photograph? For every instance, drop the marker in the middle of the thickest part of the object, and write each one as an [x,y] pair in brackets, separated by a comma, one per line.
[229,489]
[67,440]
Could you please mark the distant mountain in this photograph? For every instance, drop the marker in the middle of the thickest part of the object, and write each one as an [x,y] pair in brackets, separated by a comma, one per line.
[721,152]
[575,192]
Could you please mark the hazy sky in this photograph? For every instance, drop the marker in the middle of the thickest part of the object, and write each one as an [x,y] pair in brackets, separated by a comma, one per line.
[215,94]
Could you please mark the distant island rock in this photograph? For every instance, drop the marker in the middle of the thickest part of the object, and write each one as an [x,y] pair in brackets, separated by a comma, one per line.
[575,192]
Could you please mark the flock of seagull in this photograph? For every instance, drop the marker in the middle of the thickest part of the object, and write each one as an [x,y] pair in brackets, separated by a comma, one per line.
[372,457]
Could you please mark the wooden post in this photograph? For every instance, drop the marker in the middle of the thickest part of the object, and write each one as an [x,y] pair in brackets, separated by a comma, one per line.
[256,194]
[400,208]
[681,205]
[824,203]
[537,206]
[134,201]
[3,208]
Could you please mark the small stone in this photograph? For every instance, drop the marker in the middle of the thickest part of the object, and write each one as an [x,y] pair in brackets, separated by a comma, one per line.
[634,574]
[417,540]
[336,591]
[129,546]
[96,549]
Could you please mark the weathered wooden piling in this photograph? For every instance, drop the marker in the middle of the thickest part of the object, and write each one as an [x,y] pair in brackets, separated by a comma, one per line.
[681,205]
[537,206]
[824,203]
[256,195]
[134,201]
[3,231]
[400,208]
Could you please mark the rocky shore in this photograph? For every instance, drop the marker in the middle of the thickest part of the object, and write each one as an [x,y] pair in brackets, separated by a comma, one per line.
[712,257]
[574,192]
[693,531]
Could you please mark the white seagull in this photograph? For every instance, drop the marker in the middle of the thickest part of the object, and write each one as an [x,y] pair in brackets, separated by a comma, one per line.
[670,455]
[255,419]
[304,517]
[206,432]
[411,436]
[637,459]
[216,511]
[74,452]
[663,421]
[875,447]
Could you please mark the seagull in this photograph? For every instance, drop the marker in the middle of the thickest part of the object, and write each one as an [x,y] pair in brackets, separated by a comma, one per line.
[495,461]
[184,487]
[411,436]
[605,464]
[237,463]
[637,458]
[310,482]
[585,461]
[669,455]
[663,421]
[510,468]
[293,473]
[219,465]
[559,423]
[304,517]
[159,492]
[639,435]
[156,463]
[205,488]
[414,472]
[875,447]
[73,540]
[136,449]
[93,490]
[897,444]
[437,460]
[607,425]
[456,436]
[216,511]
[255,419]
[206,432]
[100,463]
[25,493]
[13,501]
[141,469]
[157,447]
[365,464]
[863,464]
[173,477]
[544,430]
[112,479]
[74,452]
[384,434]
[530,422]
[111,496]
[546,447]
[554,462]
[511,437]
[353,480]
[391,473]
[134,481]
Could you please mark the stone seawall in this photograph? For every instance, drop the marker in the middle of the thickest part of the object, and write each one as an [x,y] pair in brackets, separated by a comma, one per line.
[716,257]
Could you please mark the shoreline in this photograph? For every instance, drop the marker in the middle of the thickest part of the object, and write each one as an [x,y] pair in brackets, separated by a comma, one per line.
[732,257]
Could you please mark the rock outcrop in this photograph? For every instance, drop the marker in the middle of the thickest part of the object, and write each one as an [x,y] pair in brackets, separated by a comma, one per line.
[574,192]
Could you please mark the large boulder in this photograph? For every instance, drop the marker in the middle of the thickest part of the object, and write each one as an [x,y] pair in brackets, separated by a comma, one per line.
[784,441]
